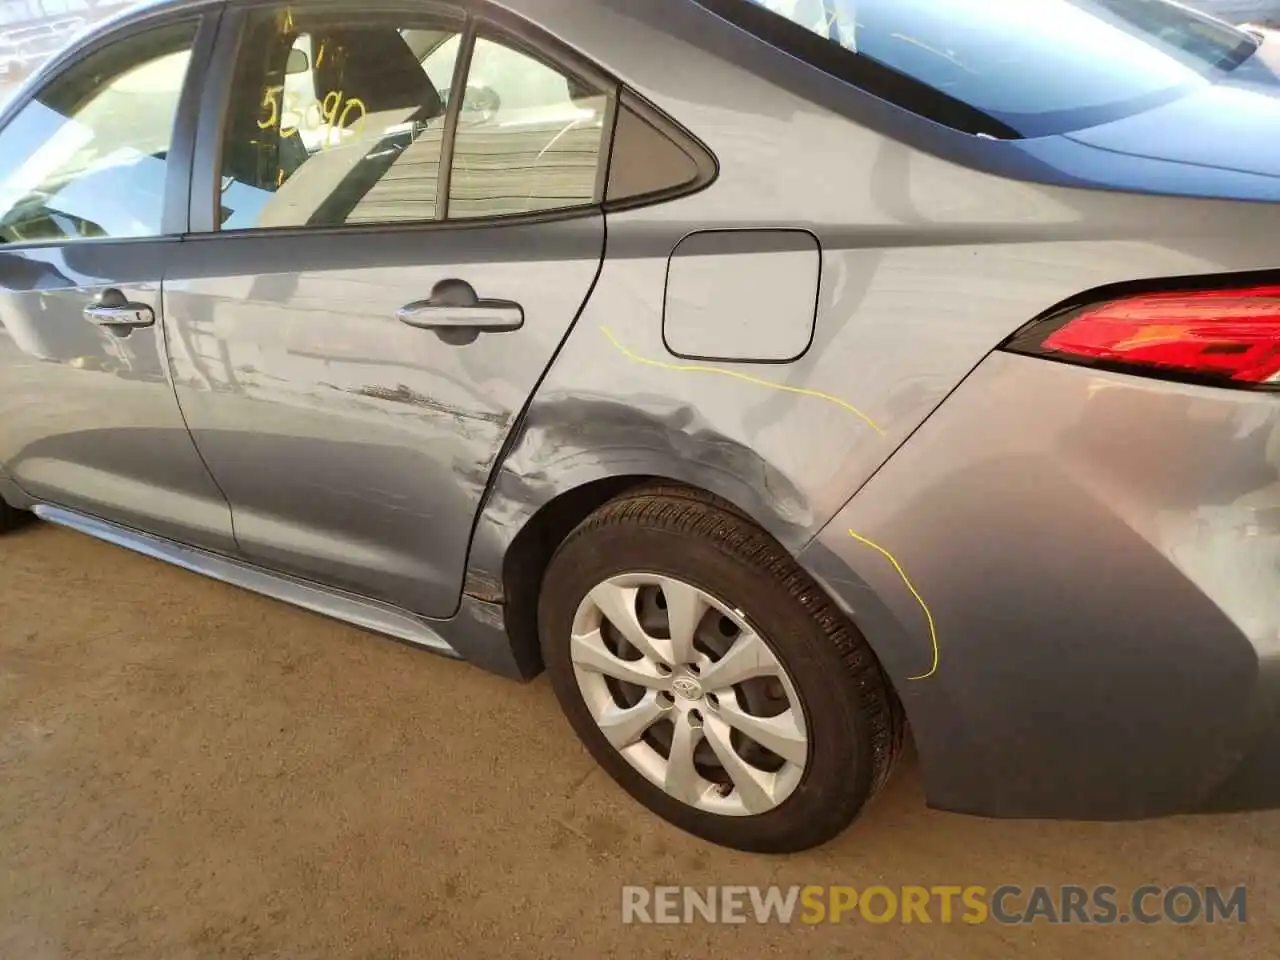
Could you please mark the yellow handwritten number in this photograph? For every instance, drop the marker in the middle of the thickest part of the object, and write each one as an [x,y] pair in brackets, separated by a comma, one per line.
[270,102]
[335,110]
[353,104]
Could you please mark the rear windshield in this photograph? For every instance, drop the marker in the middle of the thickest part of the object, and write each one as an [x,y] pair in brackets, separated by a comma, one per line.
[1036,67]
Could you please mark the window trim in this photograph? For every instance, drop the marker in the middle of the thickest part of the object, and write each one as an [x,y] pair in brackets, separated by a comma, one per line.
[177,200]
[461,70]
[610,125]
[481,18]
[175,204]
[869,76]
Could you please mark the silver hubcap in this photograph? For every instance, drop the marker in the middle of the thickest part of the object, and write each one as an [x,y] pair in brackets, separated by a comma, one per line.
[689,694]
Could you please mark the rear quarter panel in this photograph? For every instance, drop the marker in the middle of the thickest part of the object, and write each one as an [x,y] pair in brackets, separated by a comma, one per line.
[1071,576]
[935,247]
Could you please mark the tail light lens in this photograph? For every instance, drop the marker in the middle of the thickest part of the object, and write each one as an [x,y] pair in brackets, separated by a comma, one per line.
[1224,336]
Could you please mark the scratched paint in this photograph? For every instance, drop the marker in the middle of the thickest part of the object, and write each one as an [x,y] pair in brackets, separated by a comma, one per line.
[745,378]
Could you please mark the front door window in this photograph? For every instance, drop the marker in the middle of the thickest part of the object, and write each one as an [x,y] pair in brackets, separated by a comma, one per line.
[86,157]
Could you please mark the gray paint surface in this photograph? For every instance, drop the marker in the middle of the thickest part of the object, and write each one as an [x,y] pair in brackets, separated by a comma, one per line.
[356,610]
[1094,560]
[354,448]
[1097,553]
[89,418]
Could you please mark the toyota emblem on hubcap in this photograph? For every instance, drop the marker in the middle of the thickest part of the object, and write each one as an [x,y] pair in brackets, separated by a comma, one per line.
[687,687]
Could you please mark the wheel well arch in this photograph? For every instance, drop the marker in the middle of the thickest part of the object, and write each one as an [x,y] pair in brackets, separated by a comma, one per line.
[531,550]
[574,455]
[529,553]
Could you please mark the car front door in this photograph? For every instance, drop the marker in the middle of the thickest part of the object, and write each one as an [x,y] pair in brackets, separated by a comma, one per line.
[386,255]
[93,202]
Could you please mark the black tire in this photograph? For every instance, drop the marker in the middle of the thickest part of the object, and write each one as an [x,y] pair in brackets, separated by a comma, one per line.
[852,716]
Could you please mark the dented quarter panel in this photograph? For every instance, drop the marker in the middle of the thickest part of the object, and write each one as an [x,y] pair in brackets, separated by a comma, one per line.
[1119,674]
[928,262]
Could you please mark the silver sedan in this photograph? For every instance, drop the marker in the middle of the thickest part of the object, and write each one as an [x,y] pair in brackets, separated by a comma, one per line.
[773,374]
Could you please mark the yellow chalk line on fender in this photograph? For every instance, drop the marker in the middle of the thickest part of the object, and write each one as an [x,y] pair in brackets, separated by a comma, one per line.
[746,378]
[933,633]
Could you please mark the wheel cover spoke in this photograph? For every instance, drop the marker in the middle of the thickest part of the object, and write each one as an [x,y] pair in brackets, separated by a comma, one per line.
[686,606]
[747,659]
[683,780]
[754,787]
[626,725]
[618,604]
[781,734]
[588,652]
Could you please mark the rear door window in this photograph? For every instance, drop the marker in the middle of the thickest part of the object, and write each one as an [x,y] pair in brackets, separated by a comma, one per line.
[335,117]
[530,138]
[344,115]
[1027,67]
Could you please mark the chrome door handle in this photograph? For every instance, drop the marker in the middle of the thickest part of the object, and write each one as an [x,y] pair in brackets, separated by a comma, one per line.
[120,316]
[458,316]
[485,316]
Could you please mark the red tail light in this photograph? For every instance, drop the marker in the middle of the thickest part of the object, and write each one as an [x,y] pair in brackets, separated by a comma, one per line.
[1232,336]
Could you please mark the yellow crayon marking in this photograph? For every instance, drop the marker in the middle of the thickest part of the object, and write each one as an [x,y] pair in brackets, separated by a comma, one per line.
[333,111]
[746,378]
[353,104]
[269,100]
[933,633]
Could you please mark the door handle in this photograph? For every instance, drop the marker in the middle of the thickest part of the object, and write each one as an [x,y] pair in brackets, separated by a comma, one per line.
[486,316]
[119,315]
[458,315]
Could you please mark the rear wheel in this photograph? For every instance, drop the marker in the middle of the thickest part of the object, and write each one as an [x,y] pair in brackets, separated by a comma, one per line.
[711,677]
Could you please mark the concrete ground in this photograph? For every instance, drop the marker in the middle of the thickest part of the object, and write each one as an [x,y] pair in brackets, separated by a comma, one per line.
[190,771]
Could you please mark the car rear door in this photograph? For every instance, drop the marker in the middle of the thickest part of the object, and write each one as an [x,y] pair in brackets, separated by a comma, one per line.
[94,173]
[380,271]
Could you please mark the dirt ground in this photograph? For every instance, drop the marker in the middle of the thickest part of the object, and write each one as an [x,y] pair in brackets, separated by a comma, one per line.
[190,771]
